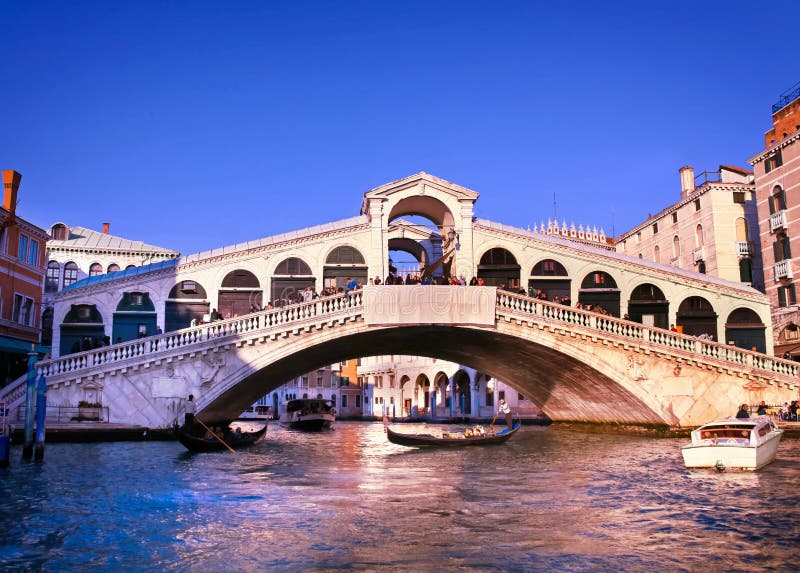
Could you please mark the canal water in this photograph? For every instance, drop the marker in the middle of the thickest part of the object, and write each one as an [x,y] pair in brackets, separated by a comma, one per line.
[551,499]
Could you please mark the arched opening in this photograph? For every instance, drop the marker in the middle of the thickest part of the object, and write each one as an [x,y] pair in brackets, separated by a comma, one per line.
[744,329]
[239,294]
[422,391]
[788,342]
[698,236]
[59,232]
[291,277]
[403,267]
[441,404]
[82,329]
[599,293]
[657,254]
[342,264]
[649,306]
[187,301]
[95,269]
[696,316]
[135,317]
[676,247]
[498,267]
[463,393]
[548,280]
[112,268]
[443,236]
[405,394]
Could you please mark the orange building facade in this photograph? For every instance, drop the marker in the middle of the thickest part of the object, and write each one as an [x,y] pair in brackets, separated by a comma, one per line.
[22,254]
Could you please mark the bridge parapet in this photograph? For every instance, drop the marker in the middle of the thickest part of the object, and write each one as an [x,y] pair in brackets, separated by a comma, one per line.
[513,306]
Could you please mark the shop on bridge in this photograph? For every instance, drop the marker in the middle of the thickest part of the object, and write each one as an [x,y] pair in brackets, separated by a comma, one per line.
[239,294]
[551,279]
[187,301]
[135,317]
[82,329]
[649,306]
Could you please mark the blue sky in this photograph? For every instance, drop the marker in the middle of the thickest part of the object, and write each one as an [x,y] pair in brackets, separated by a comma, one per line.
[193,125]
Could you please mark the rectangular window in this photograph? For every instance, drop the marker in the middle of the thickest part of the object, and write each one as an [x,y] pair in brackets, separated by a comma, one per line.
[520,397]
[15,312]
[305,381]
[501,395]
[188,286]
[22,247]
[773,161]
[358,400]
[781,249]
[786,296]
[33,253]
[697,204]
[738,197]
[655,228]
[23,310]
[489,398]
[638,237]
[319,381]
[675,217]
[344,400]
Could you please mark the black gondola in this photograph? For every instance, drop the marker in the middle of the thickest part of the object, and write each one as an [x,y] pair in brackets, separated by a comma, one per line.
[212,444]
[448,440]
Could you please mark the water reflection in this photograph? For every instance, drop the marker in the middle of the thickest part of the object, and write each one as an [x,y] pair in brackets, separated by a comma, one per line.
[550,499]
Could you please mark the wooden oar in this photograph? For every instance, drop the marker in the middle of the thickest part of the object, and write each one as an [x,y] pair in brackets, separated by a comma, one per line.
[221,441]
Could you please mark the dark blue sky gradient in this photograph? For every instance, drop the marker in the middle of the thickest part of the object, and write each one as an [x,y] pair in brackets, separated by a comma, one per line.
[193,125]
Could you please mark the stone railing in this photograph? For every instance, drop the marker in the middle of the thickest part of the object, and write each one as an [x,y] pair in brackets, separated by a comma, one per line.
[273,319]
[521,306]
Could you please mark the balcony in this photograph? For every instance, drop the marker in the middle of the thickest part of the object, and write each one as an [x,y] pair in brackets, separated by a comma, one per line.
[744,248]
[783,270]
[777,221]
[698,255]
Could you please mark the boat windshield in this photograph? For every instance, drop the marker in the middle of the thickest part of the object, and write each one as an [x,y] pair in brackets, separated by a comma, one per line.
[723,432]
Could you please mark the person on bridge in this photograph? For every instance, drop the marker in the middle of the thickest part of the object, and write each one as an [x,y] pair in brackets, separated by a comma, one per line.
[743,411]
[505,411]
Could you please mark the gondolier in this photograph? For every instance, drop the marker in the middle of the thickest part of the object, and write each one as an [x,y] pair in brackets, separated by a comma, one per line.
[189,408]
[504,410]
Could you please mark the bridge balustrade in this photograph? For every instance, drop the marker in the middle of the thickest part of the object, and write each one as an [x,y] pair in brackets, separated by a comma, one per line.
[273,318]
[523,305]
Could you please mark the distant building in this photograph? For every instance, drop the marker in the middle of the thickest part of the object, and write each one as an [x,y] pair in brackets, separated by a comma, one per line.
[710,230]
[22,248]
[75,253]
[777,178]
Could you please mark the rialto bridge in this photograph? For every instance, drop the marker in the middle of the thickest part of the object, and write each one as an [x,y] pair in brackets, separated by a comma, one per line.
[575,364]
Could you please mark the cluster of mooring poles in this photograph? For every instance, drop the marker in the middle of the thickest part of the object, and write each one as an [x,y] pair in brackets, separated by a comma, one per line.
[35,410]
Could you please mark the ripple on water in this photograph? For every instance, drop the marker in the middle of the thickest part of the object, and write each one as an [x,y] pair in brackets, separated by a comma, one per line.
[550,499]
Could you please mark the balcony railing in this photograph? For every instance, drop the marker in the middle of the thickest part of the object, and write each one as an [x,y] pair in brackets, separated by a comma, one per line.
[744,248]
[698,255]
[777,221]
[783,270]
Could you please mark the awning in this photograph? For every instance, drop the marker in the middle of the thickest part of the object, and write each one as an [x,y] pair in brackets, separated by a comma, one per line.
[19,346]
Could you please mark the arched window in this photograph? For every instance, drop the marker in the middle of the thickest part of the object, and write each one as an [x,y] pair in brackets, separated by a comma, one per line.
[698,236]
[741,230]
[777,202]
[130,267]
[59,232]
[656,254]
[345,255]
[95,269]
[53,277]
[70,273]
[293,266]
[113,267]
[676,247]
[548,268]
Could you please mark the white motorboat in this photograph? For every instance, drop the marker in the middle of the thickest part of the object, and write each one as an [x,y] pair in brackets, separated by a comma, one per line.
[308,414]
[733,443]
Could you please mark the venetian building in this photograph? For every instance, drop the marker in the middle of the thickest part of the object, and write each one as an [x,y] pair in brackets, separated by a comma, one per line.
[777,180]
[22,246]
[76,253]
[710,230]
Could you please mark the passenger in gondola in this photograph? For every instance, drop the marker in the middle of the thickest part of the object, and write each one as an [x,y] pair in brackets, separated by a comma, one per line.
[762,409]
[743,411]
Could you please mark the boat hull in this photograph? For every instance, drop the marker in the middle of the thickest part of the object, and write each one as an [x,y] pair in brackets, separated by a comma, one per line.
[201,445]
[310,424]
[429,440]
[750,450]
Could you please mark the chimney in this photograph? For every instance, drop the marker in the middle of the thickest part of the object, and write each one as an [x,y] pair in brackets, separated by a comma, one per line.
[105,228]
[687,181]
[11,181]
